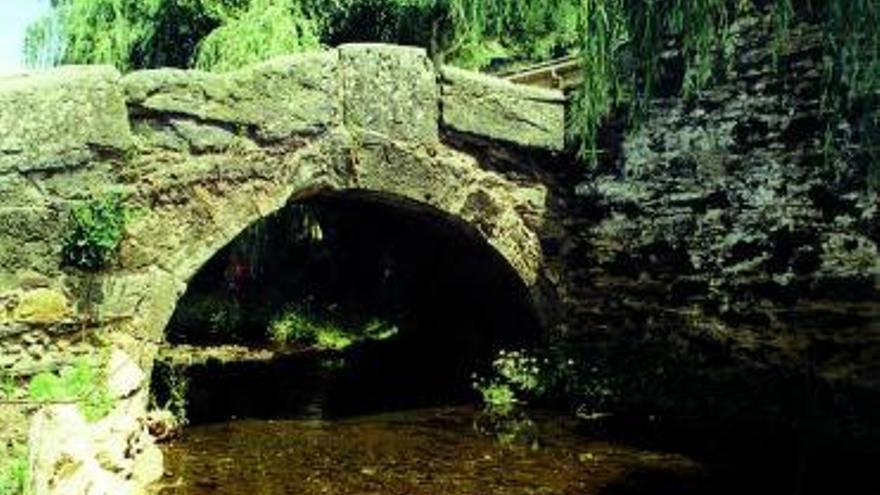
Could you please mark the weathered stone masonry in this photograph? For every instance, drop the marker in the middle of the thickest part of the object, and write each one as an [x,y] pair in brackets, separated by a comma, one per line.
[723,236]
[201,156]
[198,157]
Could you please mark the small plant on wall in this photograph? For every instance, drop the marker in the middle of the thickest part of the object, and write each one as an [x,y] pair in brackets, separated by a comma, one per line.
[13,469]
[83,382]
[95,232]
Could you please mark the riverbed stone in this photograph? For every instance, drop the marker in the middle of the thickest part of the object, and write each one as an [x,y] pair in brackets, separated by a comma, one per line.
[114,455]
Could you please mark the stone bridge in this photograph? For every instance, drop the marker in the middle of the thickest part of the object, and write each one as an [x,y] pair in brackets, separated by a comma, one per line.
[198,157]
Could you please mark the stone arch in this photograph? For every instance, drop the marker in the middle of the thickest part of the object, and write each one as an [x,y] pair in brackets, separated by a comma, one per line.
[200,156]
[200,204]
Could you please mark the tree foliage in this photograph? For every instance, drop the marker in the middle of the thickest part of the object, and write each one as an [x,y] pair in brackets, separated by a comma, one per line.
[91,32]
[619,41]
[263,29]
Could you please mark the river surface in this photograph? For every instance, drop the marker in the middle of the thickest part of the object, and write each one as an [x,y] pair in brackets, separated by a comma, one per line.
[422,452]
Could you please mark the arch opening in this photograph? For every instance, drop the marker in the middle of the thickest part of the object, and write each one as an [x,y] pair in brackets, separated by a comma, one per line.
[444,300]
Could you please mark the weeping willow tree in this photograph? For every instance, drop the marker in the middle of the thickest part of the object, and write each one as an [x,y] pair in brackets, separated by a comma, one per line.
[91,32]
[619,41]
[260,30]
[130,34]
[852,72]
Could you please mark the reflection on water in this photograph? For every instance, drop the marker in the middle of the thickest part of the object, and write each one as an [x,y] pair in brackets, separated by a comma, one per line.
[424,452]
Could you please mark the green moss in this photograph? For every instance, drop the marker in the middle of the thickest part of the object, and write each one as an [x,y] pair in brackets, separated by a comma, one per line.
[13,469]
[83,382]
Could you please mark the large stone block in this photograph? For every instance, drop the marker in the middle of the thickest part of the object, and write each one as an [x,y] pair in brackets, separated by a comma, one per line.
[276,99]
[487,106]
[58,118]
[30,238]
[42,307]
[390,90]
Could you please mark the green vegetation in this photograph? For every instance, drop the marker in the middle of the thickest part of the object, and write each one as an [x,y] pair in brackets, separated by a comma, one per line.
[13,469]
[516,377]
[213,315]
[9,387]
[297,326]
[498,397]
[95,232]
[519,378]
[620,41]
[83,382]
[294,325]
[265,28]
[378,329]
[173,384]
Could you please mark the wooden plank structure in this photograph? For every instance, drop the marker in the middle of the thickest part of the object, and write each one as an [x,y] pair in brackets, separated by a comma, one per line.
[561,73]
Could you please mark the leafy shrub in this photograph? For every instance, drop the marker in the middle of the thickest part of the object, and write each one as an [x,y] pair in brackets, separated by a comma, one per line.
[516,377]
[95,232]
[295,325]
[84,382]
[329,337]
[498,397]
[520,370]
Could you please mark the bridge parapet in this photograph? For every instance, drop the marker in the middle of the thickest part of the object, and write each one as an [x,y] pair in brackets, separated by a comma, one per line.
[490,107]
[61,116]
[52,119]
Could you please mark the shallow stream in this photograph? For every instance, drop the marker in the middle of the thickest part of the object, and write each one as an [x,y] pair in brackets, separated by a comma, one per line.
[421,452]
